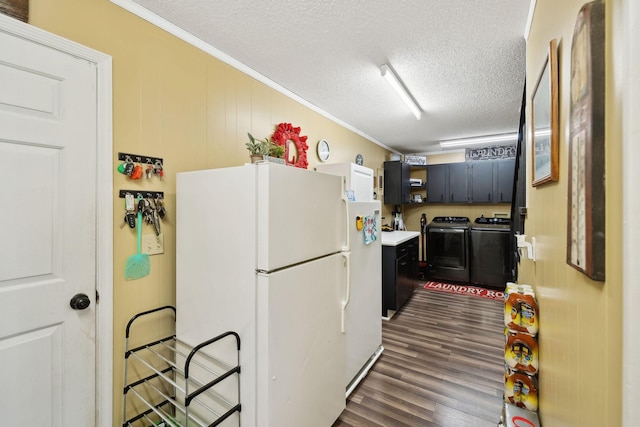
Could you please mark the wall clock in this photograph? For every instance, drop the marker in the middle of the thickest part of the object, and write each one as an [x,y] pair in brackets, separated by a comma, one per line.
[586,209]
[359,159]
[323,150]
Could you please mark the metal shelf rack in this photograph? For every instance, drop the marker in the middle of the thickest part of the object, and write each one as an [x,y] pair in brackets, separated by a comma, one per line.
[176,385]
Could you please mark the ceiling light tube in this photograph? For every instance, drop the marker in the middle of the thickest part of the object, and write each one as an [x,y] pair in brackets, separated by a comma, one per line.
[391,77]
[478,140]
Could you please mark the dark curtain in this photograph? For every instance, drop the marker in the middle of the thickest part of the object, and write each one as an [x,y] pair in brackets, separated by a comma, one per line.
[519,197]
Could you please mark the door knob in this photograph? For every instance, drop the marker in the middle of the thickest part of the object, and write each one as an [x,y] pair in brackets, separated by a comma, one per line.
[80,302]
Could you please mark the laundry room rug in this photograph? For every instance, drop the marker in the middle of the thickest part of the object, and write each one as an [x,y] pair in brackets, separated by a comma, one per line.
[465,290]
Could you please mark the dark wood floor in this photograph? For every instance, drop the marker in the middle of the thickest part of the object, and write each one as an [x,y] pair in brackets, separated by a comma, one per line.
[443,365]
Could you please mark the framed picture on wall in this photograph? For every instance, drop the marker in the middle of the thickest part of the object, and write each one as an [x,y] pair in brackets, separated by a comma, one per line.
[586,208]
[18,9]
[544,121]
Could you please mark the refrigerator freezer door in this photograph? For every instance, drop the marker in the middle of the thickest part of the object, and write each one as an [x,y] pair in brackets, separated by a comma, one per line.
[299,215]
[301,364]
[363,325]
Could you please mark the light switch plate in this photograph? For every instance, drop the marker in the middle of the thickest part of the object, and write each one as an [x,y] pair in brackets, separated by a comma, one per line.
[152,244]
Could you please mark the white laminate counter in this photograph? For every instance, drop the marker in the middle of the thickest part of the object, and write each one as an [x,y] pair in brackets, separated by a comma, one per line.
[394,238]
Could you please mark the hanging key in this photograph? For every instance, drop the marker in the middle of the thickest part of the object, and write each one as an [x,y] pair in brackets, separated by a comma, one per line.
[148,172]
[160,207]
[147,211]
[157,169]
[155,217]
[156,223]
[130,207]
[141,201]
[136,173]
[127,169]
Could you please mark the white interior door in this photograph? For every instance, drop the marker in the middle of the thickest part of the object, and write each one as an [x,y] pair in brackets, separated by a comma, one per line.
[47,235]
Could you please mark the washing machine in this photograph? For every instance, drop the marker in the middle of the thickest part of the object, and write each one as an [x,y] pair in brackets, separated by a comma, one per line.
[448,249]
[489,251]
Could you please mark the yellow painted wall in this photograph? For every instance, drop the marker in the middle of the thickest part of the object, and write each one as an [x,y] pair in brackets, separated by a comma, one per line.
[581,320]
[453,157]
[173,101]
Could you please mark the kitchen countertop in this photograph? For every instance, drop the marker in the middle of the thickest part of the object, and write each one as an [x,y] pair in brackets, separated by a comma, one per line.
[394,238]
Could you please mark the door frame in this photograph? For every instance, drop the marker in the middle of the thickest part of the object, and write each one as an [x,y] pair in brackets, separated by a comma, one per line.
[630,83]
[104,201]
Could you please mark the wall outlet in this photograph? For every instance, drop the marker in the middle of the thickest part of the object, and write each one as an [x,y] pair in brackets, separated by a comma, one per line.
[152,244]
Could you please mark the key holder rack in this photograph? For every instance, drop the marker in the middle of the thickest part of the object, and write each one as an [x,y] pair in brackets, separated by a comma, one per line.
[143,194]
[137,158]
[135,166]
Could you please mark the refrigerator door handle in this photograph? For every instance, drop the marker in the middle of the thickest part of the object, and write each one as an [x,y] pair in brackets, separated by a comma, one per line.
[347,246]
[347,296]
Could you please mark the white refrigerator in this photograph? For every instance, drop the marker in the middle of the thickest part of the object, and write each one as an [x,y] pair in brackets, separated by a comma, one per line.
[363,323]
[359,178]
[261,250]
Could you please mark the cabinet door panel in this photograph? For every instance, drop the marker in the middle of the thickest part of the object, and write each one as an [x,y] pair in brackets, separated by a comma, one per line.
[458,183]
[436,183]
[405,187]
[481,174]
[505,170]
[399,274]
[404,281]
[388,279]
[396,183]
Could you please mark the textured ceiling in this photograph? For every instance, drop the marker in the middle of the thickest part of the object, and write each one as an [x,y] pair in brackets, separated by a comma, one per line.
[463,60]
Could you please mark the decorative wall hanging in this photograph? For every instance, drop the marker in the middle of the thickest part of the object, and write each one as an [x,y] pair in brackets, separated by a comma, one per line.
[416,160]
[490,153]
[295,145]
[544,132]
[586,210]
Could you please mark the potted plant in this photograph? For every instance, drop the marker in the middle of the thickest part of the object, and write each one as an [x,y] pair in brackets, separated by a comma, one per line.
[258,148]
[276,150]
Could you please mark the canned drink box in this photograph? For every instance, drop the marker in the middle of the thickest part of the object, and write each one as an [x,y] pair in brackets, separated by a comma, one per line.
[512,416]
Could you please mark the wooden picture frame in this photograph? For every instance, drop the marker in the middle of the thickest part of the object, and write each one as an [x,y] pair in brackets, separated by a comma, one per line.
[586,187]
[18,9]
[544,121]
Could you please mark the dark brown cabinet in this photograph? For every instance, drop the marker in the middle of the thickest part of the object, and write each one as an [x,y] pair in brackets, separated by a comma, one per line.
[481,181]
[485,181]
[399,274]
[504,172]
[404,183]
[437,183]
[458,183]
[447,183]
[397,189]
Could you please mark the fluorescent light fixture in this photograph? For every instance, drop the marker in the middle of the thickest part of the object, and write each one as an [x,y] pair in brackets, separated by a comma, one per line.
[391,77]
[479,140]
[539,133]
